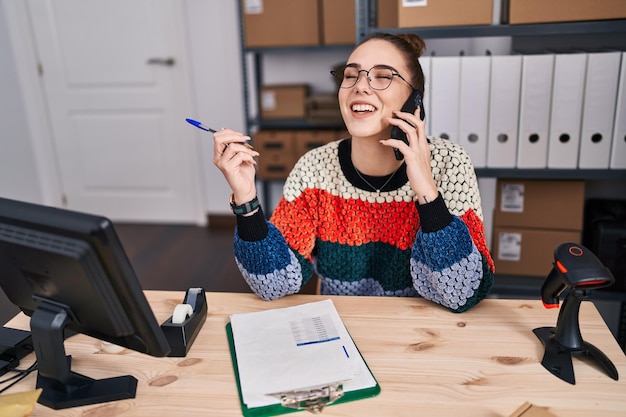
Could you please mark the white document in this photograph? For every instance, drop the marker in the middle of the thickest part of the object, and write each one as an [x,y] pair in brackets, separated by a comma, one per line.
[534,117]
[565,116]
[474,107]
[425,62]
[504,111]
[444,98]
[599,109]
[295,348]
[618,148]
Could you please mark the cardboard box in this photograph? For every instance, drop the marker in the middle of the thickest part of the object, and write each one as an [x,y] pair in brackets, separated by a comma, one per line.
[277,153]
[542,204]
[305,140]
[528,252]
[339,20]
[284,101]
[269,23]
[324,109]
[542,11]
[440,13]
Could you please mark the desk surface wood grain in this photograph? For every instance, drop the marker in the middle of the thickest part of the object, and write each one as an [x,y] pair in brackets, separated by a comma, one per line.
[428,361]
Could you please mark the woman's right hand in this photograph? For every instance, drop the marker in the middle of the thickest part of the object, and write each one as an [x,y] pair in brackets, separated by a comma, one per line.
[234,156]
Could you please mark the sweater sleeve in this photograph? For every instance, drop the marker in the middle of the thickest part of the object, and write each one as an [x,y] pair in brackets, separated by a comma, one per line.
[450,261]
[275,257]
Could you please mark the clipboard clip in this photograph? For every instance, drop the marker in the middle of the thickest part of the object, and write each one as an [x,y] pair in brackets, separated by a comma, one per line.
[313,400]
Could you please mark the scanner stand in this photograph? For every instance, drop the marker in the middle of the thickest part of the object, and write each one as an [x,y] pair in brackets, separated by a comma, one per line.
[565,340]
[181,336]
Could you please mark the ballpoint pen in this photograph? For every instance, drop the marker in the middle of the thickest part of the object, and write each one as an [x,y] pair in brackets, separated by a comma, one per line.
[200,125]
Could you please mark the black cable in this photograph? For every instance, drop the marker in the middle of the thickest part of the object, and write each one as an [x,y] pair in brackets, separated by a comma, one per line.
[20,374]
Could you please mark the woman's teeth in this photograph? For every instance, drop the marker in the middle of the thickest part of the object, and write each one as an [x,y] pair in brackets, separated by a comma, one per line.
[362,107]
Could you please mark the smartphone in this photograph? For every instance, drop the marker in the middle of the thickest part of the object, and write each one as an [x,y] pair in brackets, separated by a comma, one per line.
[414,100]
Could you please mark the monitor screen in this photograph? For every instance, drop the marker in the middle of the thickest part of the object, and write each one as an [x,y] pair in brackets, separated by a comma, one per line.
[61,266]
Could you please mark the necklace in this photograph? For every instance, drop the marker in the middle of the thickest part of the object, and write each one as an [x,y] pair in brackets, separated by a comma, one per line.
[382,186]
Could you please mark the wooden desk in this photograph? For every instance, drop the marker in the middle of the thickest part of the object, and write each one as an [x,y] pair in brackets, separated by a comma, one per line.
[428,361]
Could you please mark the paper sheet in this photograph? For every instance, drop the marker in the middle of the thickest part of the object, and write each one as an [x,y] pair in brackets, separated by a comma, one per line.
[295,348]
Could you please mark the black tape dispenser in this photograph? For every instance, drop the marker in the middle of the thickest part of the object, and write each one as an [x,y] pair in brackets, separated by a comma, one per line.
[183,326]
[579,271]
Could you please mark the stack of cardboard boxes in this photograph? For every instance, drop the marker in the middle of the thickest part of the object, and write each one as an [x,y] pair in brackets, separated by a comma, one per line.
[279,23]
[280,149]
[531,219]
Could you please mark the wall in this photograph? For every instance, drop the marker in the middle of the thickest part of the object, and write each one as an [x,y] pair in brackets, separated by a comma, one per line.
[27,170]
[215,51]
[18,169]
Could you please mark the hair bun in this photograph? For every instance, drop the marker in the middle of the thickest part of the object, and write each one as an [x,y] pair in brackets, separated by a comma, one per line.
[415,41]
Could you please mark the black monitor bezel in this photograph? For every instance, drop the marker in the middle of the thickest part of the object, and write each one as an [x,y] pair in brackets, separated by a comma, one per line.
[99,234]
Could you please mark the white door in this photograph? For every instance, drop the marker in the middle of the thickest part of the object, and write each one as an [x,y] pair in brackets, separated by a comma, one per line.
[115,78]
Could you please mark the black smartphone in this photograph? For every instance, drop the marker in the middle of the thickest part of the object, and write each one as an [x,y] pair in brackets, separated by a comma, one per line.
[414,100]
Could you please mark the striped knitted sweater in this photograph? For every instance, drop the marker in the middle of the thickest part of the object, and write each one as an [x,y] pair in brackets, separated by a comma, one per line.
[363,242]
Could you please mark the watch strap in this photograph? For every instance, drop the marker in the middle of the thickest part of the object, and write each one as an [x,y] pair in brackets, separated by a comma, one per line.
[244,208]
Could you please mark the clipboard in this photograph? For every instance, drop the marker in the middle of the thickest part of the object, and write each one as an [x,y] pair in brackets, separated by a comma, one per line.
[313,400]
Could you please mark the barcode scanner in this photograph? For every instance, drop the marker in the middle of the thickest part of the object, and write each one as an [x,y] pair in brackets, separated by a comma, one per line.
[577,270]
[410,105]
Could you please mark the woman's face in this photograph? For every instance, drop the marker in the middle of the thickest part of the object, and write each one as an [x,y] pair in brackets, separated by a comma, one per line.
[364,109]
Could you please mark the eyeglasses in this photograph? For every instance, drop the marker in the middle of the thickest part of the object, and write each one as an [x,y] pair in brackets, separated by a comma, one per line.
[379,77]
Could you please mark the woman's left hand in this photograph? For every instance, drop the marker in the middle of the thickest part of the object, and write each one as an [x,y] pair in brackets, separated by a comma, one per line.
[416,154]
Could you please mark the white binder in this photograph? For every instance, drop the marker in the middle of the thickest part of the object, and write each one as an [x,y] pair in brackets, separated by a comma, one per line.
[474,107]
[503,111]
[618,148]
[566,112]
[444,100]
[534,117]
[425,63]
[599,109]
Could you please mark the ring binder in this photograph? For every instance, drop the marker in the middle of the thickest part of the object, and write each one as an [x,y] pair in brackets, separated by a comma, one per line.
[313,400]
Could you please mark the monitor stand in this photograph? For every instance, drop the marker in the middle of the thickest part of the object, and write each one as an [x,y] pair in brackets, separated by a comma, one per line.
[62,388]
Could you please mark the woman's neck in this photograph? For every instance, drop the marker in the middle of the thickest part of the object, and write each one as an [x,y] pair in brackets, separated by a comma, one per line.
[372,158]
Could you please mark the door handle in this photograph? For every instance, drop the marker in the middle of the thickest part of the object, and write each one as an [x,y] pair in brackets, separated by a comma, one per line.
[168,62]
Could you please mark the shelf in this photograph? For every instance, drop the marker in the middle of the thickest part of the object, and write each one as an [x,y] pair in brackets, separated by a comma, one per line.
[534,30]
[509,286]
[294,49]
[553,174]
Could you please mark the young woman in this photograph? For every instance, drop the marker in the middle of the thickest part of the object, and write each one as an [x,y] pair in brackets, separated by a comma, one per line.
[364,221]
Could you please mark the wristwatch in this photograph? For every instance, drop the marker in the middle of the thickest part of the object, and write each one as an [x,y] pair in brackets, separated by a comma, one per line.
[245,208]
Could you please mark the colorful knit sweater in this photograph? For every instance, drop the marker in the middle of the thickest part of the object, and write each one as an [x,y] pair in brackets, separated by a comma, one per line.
[363,242]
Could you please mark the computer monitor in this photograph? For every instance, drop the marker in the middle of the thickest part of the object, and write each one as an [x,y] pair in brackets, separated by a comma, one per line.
[68,270]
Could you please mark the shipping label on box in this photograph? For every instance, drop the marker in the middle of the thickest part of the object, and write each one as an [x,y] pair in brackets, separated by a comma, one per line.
[509,246]
[253,6]
[414,3]
[512,198]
